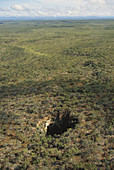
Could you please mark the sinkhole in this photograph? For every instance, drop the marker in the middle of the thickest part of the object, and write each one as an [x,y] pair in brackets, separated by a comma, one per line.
[60,126]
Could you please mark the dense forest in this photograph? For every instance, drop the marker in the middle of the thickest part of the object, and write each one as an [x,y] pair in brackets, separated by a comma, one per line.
[56,94]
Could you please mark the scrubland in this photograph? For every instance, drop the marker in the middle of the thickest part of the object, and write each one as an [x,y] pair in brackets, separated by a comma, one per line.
[62,70]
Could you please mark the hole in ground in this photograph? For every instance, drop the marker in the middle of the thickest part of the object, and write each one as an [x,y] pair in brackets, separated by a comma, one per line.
[60,126]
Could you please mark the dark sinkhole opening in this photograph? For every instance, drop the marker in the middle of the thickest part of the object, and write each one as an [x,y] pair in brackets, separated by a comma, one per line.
[60,126]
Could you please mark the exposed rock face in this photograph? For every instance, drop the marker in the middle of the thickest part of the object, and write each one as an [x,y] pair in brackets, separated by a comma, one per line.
[48,122]
[43,124]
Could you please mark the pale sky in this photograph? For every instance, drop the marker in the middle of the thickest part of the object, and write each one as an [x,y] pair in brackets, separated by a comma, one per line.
[34,8]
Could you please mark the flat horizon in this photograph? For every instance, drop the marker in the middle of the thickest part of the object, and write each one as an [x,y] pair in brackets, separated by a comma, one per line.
[54,18]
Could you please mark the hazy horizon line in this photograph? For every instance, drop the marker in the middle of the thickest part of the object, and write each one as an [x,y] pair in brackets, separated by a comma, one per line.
[55,17]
